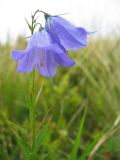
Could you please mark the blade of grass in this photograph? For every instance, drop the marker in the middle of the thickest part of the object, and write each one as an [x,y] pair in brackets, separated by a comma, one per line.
[89,148]
[102,140]
[40,138]
[73,155]
[24,147]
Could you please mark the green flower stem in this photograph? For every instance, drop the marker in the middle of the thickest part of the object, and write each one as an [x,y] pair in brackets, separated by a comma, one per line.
[33,95]
[33,91]
[33,109]
[32,103]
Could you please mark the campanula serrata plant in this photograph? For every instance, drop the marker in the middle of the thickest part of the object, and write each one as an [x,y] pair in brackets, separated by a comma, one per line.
[46,50]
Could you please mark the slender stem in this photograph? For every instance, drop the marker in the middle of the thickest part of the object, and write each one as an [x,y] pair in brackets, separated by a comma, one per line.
[33,94]
[33,101]
[33,109]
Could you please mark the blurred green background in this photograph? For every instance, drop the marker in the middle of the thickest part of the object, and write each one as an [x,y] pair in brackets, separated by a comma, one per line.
[94,82]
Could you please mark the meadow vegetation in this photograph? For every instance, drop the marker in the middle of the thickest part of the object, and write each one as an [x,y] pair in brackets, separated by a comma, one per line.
[78,111]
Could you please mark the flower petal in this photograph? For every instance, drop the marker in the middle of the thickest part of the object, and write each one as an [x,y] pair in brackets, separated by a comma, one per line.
[71,37]
[82,36]
[46,64]
[18,54]
[58,52]
[28,62]
[40,39]
[63,60]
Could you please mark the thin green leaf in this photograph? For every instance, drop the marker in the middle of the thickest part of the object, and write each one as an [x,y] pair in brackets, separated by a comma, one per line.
[73,155]
[40,138]
[24,147]
[29,103]
[89,148]
[28,23]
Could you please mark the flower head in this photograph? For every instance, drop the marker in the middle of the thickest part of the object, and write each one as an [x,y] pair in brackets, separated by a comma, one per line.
[43,52]
[71,37]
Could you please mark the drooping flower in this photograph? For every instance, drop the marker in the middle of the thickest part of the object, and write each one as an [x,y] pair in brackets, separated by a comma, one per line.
[71,37]
[43,52]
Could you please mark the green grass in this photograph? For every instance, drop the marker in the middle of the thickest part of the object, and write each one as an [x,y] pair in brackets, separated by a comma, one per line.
[94,82]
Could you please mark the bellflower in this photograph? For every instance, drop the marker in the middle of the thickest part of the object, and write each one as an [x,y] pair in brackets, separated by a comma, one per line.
[43,52]
[71,37]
